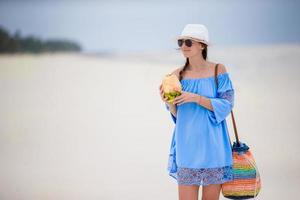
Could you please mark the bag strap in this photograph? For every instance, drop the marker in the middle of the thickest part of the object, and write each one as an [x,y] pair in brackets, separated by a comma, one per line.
[232,116]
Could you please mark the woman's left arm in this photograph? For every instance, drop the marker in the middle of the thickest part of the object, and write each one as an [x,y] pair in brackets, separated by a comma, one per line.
[193,97]
[204,101]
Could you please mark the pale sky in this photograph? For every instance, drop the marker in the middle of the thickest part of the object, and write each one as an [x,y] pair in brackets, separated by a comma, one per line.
[133,26]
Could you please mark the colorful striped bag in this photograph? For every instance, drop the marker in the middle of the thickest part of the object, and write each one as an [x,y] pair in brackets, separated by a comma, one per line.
[246,181]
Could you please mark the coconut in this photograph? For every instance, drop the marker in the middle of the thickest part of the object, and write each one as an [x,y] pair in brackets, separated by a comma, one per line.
[171,87]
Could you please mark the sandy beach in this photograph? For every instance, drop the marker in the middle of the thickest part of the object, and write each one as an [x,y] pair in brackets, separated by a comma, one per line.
[76,126]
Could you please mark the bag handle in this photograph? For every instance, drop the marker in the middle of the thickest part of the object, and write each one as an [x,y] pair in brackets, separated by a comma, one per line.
[233,121]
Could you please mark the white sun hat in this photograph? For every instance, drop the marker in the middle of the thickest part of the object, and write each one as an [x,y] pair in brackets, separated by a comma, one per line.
[196,32]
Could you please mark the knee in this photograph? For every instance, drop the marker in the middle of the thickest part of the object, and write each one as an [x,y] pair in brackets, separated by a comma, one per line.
[209,198]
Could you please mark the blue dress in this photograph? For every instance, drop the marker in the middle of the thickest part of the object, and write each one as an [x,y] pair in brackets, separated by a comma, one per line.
[200,150]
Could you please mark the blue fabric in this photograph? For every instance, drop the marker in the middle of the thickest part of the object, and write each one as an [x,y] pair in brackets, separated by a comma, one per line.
[200,137]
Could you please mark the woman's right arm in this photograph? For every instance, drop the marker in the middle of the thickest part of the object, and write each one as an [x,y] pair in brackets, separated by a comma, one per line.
[171,107]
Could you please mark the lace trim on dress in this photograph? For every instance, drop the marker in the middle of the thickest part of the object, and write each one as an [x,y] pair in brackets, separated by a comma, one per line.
[204,176]
[228,95]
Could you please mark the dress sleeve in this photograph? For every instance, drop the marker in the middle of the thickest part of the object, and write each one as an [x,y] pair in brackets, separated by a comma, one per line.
[173,117]
[224,101]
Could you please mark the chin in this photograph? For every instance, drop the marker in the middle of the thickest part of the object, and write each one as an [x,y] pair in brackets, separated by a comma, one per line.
[186,53]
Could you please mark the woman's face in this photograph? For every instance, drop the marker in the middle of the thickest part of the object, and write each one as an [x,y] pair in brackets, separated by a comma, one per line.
[194,50]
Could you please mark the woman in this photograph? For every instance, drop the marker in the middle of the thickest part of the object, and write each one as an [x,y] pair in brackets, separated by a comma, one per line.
[200,152]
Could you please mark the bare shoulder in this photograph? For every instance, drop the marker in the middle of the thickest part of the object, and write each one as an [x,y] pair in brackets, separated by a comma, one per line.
[221,68]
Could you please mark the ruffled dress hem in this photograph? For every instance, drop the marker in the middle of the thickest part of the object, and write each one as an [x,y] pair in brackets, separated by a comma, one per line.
[202,176]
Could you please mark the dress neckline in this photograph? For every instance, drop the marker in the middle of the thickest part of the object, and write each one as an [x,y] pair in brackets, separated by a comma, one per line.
[202,78]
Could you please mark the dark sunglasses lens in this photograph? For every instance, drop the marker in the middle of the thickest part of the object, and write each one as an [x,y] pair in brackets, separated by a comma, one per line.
[188,43]
[180,42]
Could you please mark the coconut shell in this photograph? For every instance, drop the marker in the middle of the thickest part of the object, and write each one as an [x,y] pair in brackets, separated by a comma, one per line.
[171,86]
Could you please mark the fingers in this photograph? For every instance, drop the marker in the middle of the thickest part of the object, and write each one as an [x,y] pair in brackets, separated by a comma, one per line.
[163,97]
[162,93]
[178,99]
[161,90]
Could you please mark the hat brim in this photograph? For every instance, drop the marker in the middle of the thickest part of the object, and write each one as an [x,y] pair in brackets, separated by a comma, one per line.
[187,37]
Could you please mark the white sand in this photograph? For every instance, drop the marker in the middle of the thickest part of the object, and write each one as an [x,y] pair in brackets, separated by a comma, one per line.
[85,127]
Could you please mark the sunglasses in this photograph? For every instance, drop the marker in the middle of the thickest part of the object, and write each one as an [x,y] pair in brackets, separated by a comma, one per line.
[188,42]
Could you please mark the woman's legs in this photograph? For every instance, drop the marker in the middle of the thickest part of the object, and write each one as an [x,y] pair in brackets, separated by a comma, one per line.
[211,192]
[188,192]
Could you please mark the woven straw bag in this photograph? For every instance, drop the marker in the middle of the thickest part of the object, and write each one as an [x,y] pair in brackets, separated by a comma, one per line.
[246,181]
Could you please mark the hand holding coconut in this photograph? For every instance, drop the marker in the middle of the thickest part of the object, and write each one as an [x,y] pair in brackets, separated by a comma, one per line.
[171,91]
[171,87]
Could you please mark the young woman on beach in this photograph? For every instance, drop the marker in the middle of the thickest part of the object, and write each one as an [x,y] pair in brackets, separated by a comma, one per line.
[200,150]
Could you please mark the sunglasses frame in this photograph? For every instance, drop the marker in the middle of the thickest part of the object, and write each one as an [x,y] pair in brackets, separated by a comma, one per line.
[187,42]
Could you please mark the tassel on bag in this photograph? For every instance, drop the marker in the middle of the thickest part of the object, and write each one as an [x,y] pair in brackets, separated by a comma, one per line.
[246,181]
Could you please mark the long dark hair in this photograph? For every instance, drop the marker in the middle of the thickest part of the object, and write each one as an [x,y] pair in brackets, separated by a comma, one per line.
[204,55]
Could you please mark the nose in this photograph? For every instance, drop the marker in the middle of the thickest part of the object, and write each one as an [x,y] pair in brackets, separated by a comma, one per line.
[185,47]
